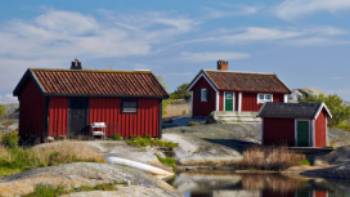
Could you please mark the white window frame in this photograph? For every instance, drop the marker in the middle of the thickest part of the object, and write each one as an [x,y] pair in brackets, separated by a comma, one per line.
[129,109]
[264,100]
[204,94]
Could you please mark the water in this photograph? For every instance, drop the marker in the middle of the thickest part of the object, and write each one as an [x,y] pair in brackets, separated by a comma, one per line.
[257,185]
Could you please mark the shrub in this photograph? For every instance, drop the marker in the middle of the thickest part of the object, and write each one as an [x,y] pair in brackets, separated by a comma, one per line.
[147,141]
[339,110]
[43,190]
[168,161]
[116,137]
[10,139]
[272,158]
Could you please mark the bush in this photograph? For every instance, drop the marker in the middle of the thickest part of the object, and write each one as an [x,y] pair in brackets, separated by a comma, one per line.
[168,161]
[10,139]
[147,141]
[181,92]
[42,190]
[116,137]
[339,110]
[272,158]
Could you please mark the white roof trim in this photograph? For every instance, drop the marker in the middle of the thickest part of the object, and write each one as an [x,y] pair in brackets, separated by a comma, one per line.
[323,106]
[202,74]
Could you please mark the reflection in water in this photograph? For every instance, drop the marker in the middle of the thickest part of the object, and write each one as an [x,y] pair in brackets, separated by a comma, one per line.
[256,185]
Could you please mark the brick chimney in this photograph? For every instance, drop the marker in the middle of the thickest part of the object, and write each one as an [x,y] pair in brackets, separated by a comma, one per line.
[222,65]
[76,65]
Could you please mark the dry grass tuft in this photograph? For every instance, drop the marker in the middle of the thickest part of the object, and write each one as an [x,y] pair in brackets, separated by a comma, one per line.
[66,152]
[272,158]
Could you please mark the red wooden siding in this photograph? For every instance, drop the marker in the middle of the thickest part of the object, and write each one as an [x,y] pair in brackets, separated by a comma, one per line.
[203,108]
[58,117]
[249,102]
[278,98]
[321,130]
[145,122]
[271,193]
[278,131]
[221,101]
[321,194]
[32,111]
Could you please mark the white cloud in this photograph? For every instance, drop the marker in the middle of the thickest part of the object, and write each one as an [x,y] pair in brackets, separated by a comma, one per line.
[55,37]
[213,56]
[290,36]
[227,10]
[292,9]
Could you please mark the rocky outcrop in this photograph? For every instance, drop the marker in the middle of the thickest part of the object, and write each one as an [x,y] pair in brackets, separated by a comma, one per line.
[193,151]
[341,171]
[338,156]
[81,174]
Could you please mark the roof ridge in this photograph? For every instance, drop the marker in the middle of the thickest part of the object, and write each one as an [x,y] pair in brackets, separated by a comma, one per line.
[240,72]
[90,70]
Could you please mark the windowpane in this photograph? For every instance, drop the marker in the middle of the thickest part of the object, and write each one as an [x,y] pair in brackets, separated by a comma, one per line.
[129,106]
[204,95]
[261,96]
[268,96]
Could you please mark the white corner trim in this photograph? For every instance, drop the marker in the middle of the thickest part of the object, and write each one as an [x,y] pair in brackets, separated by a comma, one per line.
[313,131]
[217,101]
[323,106]
[191,103]
[206,78]
[285,98]
[239,101]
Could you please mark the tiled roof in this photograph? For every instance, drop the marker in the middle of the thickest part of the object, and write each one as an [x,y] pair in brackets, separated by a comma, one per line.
[96,83]
[248,82]
[292,110]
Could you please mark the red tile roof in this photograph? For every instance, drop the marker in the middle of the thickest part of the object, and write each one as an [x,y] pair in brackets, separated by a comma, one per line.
[96,83]
[247,82]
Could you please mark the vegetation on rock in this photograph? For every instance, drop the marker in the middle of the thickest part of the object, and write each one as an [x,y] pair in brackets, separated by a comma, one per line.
[14,159]
[168,161]
[147,141]
[270,158]
[43,190]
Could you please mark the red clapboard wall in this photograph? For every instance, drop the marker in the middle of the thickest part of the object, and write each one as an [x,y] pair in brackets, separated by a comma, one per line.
[58,116]
[145,122]
[278,131]
[203,108]
[321,129]
[32,111]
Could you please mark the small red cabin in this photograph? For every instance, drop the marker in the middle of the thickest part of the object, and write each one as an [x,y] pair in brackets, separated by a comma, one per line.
[63,103]
[224,91]
[292,124]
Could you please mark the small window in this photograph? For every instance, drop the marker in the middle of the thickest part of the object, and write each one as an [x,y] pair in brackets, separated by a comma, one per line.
[204,95]
[129,106]
[265,98]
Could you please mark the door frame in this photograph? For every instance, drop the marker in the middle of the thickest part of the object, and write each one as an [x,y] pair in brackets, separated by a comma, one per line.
[311,136]
[233,101]
[70,132]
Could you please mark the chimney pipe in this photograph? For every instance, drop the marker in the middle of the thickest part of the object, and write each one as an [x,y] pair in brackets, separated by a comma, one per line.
[222,65]
[76,65]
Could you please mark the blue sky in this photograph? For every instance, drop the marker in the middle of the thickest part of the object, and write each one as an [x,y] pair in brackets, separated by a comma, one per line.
[306,42]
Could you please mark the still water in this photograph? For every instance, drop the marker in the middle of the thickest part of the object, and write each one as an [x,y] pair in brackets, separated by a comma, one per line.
[257,185]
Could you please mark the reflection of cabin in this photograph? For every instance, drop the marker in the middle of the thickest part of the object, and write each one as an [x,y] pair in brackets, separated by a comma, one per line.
[63,102]
[302,125]
[302,193]
[226,92]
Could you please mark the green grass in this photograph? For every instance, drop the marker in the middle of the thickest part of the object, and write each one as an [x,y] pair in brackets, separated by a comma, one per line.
[304,162]
[147,141]
[168,161]
[116,137]
[43,190]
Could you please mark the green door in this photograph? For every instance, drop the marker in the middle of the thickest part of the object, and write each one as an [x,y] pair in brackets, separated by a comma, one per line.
[303,129]
[228,101]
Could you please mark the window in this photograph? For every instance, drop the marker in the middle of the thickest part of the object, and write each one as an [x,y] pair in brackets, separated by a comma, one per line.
[204,95]
[129,106]
[265,98]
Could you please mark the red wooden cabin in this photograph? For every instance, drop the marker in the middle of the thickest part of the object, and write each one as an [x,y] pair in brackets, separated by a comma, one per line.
[302,125]
[63,103]
[224,91]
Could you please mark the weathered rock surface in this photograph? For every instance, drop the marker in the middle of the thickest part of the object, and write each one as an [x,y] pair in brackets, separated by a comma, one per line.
[135,191]
[341,171]
[80,174]
[338,156]
[193,151]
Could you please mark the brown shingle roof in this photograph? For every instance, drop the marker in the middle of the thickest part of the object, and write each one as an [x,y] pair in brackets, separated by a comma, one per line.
[247,82]
[97,83]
